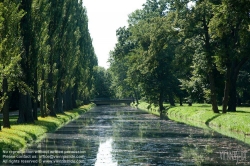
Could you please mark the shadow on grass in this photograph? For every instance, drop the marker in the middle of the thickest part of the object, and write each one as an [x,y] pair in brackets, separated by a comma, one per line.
[203,105]
[209,120]
[49,126]
[247,112]
[26,138]
[11,146]
[15,145]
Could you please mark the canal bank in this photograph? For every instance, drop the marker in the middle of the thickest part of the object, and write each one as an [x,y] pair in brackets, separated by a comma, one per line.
[231,124]
[20,136]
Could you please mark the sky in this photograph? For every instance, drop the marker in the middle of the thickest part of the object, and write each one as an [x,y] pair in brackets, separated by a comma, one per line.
[105,17]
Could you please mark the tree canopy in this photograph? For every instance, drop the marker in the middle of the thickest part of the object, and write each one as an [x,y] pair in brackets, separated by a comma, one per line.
[192,49]
[47,57]
[181,50]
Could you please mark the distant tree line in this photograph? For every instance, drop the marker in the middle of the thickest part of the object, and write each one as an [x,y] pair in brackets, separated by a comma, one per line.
[46,57]
[193,50]
[102,83]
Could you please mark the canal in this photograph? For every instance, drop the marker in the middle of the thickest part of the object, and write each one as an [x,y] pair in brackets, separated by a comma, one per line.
[125,136]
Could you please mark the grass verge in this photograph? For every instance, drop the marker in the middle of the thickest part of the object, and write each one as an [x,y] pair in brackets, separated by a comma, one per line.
[232,124]
[19,136]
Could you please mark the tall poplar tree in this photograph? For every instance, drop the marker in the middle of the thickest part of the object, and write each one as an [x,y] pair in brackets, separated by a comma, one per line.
[56,14]
[10,53]
[25,96]
[40,49]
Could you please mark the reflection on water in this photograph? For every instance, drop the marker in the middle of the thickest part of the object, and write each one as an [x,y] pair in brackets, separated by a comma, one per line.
[124,136]
[104,156]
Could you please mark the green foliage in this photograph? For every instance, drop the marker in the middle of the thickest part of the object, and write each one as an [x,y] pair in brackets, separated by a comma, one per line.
[102,83]
[46,54]
[243,84]
[10,40]
[192,49]
[145,52]
[122,85]
[230,26]
[10,46]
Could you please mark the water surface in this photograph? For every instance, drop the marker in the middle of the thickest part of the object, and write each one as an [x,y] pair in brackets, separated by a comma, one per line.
[125,136]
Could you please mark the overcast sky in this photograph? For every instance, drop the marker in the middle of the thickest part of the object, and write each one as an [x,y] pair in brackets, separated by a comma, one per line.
[105,17]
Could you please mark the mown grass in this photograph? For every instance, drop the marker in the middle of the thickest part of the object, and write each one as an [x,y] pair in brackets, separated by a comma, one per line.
[19,136]
[233,124]
[146,107]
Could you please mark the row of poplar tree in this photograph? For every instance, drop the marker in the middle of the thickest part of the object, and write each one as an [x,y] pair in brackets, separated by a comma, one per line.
[184,48]
[46,57]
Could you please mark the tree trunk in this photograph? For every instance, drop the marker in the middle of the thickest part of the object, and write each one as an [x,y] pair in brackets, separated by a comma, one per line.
[226,90]
[21,118]
[161,104]
[58,99]
[70,99]
[234,76]
[210,66]
[75,96]
[171,99]
[232,97]
[181,101]
[67,100]
[65,106]
[25,109]
[213,93]
[35,98]
[136,96]
[42,100]
[42,108]
[49,95]
[6,120]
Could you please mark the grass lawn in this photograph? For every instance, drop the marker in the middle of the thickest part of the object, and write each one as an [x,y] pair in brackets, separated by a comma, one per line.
[20,135]
[233,124]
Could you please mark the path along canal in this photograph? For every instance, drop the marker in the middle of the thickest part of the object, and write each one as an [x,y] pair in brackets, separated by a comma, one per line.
[125,136]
